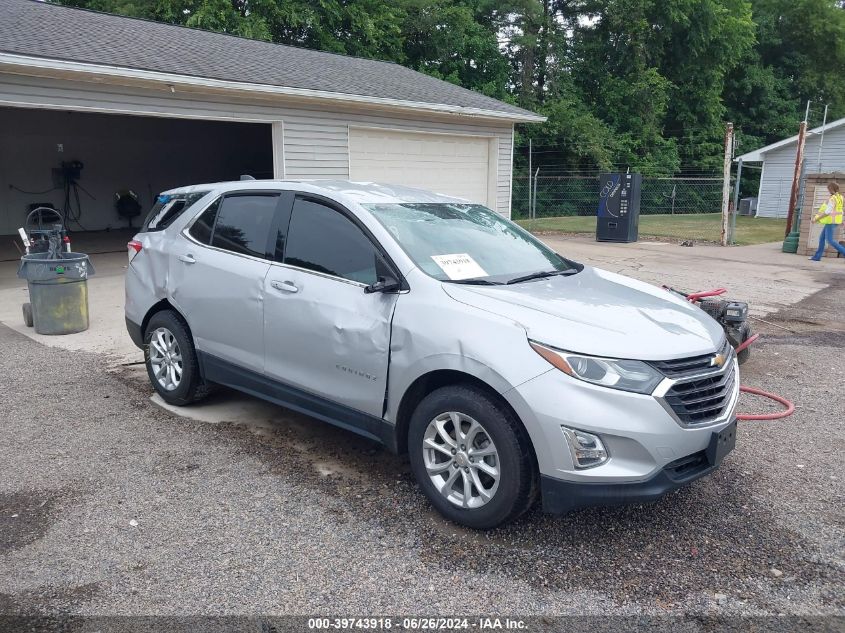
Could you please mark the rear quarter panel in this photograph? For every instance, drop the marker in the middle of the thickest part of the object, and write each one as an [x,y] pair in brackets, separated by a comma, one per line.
[147,275]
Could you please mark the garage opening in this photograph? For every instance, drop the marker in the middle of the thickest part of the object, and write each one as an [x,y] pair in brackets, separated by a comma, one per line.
[457,165]
[81,163]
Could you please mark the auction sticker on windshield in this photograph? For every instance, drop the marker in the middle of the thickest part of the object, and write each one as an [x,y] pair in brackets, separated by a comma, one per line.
[459,266]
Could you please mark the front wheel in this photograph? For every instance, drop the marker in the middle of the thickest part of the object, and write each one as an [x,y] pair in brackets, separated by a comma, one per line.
[471,457]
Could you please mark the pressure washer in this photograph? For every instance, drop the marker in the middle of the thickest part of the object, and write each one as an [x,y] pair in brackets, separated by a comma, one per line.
[733,317]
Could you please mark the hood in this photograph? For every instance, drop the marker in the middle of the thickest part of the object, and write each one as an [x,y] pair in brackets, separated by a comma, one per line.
[600,313]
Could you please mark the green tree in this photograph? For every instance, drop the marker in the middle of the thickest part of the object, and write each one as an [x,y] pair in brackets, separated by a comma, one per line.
[656,69]
[448,40]
[799,57]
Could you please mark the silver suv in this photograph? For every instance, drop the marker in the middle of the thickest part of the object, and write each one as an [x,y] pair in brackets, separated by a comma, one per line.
[437,328]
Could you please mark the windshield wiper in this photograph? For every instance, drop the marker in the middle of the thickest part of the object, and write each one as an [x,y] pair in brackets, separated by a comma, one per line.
[475,281]
[541,274]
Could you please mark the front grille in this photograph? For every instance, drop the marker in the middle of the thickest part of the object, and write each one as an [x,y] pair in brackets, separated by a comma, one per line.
[690,366]
[702,400]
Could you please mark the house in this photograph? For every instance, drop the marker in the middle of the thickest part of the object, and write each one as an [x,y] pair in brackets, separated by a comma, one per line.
[93,104]
[824,151]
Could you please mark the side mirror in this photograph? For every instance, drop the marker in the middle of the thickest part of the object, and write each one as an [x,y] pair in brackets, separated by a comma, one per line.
[386,278]
[384,284]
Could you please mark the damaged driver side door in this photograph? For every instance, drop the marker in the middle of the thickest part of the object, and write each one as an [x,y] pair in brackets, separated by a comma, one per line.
[323,333]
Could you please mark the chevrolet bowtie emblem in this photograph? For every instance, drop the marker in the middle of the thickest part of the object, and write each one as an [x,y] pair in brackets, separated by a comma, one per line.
[717,361]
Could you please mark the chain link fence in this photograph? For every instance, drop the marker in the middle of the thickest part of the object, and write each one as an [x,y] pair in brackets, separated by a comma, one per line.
[679,208]
[553,195]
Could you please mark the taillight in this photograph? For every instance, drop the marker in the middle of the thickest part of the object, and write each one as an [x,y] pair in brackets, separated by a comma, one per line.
[133,247]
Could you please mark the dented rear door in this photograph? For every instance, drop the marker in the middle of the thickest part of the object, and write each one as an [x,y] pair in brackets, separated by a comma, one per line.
[218,267]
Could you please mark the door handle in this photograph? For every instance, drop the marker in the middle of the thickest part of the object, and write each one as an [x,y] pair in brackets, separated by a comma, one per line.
[284,286]
[188,259]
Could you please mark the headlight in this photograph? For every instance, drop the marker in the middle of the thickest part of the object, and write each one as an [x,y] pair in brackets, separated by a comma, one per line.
[627,375]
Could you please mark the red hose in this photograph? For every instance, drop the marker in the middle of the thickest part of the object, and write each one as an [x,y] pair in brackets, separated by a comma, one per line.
[695,296]
[790,408]
[746,343]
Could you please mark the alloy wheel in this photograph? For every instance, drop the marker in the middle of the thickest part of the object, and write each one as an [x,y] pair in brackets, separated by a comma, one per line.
[166,359]
[461,460]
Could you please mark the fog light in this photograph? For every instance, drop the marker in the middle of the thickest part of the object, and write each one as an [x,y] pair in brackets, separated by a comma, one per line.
[587,449]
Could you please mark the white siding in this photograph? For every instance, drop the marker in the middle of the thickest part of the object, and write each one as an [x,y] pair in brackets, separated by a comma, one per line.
[315,138]
[776,183]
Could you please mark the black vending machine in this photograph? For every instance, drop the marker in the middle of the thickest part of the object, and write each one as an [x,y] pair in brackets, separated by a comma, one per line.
[618,217]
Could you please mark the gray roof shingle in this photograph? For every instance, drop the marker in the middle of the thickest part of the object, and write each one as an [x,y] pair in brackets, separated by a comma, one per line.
[32,28]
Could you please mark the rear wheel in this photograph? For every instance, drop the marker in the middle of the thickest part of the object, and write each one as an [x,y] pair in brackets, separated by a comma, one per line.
[171,360]
[27,314]
[471,457]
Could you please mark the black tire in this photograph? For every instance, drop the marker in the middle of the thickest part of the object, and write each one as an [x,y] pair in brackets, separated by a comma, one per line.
[192,388]
[517,489]
[745,334]
[27,314]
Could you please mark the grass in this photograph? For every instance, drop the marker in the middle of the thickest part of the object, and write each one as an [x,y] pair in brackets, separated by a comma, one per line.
[702,227]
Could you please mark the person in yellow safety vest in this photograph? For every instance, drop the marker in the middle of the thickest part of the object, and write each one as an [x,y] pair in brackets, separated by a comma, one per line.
[829,216]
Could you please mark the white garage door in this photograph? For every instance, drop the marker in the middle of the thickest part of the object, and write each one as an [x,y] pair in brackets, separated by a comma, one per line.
[449,164]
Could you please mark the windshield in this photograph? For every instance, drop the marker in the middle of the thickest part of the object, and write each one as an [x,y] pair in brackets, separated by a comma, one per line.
[454,242]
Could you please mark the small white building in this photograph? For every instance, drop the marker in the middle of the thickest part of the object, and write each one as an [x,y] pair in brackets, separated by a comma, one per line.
[778,165]
[146,106]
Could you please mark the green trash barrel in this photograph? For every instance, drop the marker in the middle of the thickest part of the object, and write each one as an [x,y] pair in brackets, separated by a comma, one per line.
[58,291]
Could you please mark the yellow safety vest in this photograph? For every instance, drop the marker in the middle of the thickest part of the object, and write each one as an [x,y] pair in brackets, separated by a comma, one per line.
[836,217]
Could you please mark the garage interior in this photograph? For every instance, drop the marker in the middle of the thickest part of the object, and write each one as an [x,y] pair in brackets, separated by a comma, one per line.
[118,153]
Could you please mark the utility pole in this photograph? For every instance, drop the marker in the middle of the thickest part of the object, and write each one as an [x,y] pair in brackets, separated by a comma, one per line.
[796,177]
[726,184]
[821,140]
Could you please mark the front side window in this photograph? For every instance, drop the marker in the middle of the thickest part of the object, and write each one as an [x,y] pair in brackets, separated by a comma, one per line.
[243,224]
[452,242]
[322,239]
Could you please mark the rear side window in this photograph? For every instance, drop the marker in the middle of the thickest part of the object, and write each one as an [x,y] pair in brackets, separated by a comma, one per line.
[204,225]
[324,240]
[243,224]
[167,209]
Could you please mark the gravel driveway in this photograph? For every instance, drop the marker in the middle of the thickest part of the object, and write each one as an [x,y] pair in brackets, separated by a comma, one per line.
[111,505]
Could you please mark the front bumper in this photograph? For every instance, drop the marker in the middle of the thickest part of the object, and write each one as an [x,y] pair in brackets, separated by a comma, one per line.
[560,496]
[647,444]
